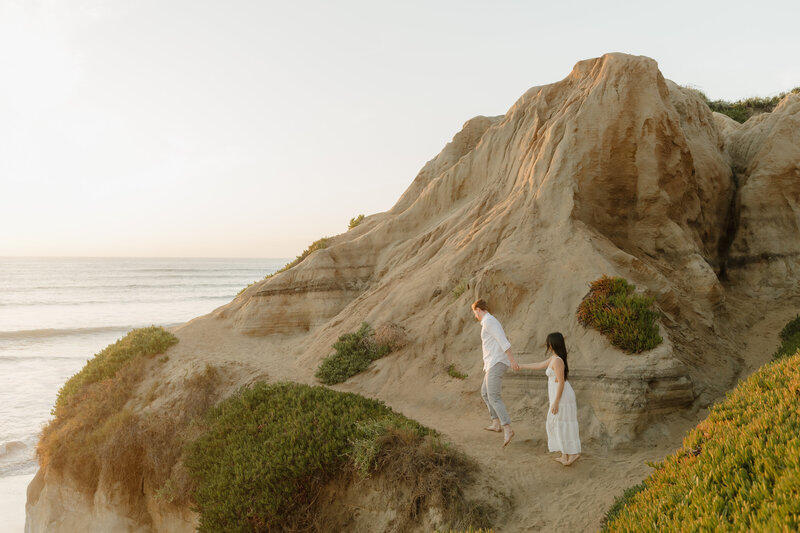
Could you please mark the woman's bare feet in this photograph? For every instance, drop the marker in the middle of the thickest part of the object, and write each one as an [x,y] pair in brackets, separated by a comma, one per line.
[572,459]
[562,459]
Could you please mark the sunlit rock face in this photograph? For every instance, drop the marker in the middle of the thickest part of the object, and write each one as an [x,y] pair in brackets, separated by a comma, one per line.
[613,170]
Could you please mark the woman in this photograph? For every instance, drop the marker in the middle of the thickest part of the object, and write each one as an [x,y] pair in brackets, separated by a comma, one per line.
[562,418]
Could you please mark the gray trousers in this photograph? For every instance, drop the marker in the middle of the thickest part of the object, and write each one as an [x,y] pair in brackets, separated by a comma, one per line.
[490,392]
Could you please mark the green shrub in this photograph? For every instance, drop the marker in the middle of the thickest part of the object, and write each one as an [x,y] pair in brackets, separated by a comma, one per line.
[738,470]
[791,329]
[92,426]
[367,446]
[789,347]
[245,288]
[138,343]
[460,288]
[619,503]
[313,247]
[741,110]
[790,335]
[451,370]
[353,354]
[355,222]
[617,312]
[267,450]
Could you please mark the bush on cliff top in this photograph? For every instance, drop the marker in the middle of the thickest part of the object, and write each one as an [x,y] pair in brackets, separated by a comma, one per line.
[104,365]
[355,221]
[319,244]
[743,109]
[617,312]
[739,470]
[266,452]
[91,427]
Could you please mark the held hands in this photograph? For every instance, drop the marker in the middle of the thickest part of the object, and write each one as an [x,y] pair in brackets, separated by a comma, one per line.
[515,366]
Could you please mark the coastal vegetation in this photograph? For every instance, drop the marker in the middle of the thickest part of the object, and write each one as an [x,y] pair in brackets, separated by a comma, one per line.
[92,426]
[790,339]
[354,352]
[319,244]
[355,221]
[245,288]
[743,109]
[454,373]
[105,364]
[266,452]
[737,470]
[459,288]
[258,460]
[626,318]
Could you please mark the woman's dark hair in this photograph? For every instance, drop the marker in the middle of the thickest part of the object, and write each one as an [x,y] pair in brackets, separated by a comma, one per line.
[555,341]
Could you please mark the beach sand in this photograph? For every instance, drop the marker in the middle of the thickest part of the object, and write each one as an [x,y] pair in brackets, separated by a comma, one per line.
[13,491]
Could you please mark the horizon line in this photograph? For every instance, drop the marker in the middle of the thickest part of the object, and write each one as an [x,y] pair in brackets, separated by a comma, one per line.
[135,257]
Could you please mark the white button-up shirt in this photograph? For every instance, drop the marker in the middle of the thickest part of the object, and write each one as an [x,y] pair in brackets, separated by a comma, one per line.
[494,342]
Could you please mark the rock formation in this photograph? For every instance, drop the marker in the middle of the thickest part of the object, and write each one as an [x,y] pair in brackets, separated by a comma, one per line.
[613,170]
[765,155]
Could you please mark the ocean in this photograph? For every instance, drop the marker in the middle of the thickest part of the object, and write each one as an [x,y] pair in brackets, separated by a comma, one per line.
[56,313]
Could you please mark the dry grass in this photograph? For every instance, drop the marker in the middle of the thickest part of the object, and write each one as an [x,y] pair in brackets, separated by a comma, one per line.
[94,435]
[74,441]
[426,473]
[391,335]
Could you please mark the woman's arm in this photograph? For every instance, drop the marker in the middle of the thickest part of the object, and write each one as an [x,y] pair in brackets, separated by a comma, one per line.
[536,366]
[558,367]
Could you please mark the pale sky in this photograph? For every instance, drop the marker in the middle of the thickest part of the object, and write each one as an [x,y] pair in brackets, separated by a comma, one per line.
[252,128]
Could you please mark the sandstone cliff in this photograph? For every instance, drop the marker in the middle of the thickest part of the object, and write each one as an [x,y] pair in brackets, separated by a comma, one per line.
[612,170]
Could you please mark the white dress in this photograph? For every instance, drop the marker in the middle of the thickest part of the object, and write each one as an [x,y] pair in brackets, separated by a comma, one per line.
[562,428]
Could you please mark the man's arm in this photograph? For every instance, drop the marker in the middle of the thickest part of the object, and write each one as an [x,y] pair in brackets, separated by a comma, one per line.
[505,345]
[514,364]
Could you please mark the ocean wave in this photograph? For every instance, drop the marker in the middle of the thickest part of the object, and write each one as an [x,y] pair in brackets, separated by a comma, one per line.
[51,332]
[66,332]
[13,359]
[62,287]
[16,458]
[117,302]
[14,447]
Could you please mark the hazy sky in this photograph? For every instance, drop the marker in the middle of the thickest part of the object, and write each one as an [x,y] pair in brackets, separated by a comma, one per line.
[251,129]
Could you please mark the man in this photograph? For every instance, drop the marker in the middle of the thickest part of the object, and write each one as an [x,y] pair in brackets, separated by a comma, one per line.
[497,358]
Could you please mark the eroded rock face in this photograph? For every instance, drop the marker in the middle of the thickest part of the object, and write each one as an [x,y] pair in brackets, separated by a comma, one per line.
[613,170]
[55,504]
[765,153]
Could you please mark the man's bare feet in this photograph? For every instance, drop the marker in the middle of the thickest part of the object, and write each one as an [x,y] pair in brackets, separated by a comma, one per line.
[572,459]
[494,426]
[509,434]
